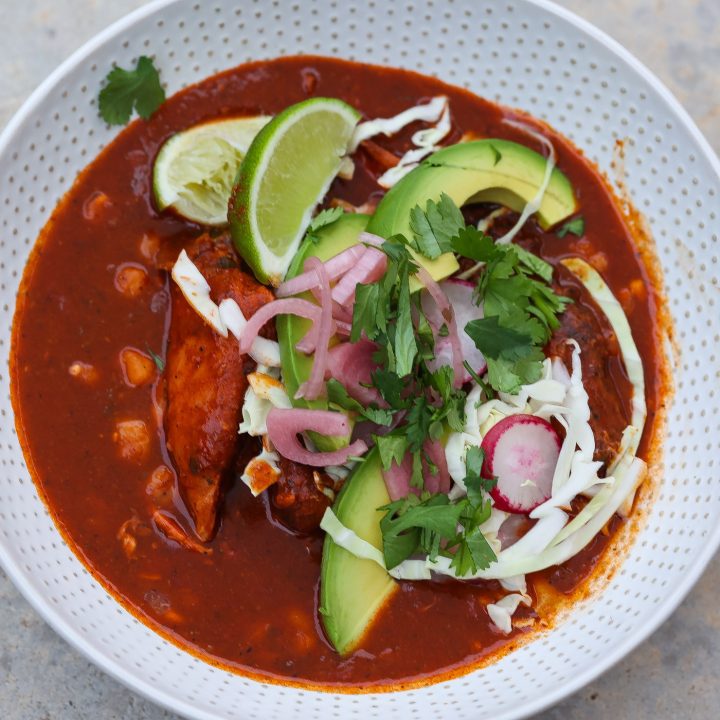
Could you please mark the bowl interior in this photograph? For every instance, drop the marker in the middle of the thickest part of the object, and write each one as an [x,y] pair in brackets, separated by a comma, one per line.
[520,53]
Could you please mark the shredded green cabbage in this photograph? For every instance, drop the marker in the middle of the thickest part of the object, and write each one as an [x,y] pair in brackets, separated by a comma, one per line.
[609,304]
[350,540]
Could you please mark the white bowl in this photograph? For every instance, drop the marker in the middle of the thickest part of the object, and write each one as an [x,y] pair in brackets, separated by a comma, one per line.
[526,53]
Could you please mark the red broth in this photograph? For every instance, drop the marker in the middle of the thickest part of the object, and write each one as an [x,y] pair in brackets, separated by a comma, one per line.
[251,605]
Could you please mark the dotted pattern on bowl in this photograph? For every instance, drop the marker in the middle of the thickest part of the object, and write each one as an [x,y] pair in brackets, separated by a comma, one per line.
[516,53]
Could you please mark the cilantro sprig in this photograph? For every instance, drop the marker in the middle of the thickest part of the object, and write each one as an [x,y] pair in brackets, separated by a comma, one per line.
[322,219]
[434,228]
[128,90]
[421,404]
[520,309]
[574,226]
[436,526]
[382,311]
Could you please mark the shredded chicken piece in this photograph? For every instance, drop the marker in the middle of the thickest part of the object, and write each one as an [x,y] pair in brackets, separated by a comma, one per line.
[383,157]
[367,208]
[127,535]
[206,381]
[172,530]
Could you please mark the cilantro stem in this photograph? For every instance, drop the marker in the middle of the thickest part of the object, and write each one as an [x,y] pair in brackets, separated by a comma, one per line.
[487,390]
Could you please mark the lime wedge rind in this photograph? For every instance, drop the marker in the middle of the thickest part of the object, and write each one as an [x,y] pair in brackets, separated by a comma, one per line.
[286,172]
[195,169]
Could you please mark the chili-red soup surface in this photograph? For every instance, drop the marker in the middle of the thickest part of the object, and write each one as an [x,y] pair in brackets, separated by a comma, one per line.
[93,287]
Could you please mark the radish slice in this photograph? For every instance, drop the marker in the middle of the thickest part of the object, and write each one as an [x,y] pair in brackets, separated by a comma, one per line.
[521,451]
[283,427]
[459,295]
[335,267]
[352,365]
[443,355]
[447,317]
[368,268]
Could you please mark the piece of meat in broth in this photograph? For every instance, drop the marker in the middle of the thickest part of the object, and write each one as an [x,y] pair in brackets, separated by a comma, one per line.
[300,496]
[206,383]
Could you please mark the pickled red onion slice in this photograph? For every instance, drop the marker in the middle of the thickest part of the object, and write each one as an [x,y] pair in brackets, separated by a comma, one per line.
[284,425]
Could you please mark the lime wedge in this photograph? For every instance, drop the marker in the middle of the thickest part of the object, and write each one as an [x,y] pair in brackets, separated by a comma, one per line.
[195,169]
[286,172]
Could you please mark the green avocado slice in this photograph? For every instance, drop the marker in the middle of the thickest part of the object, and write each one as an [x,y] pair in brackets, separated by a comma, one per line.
[492,170]
[331,240]
[353,590]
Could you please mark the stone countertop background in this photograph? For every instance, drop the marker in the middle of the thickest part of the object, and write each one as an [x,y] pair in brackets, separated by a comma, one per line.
[675,674]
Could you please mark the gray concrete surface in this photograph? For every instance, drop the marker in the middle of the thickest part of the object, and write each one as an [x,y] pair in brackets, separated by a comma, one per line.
[675,674]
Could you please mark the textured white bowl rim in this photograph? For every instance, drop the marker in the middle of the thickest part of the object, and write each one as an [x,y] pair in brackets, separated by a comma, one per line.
[632,640]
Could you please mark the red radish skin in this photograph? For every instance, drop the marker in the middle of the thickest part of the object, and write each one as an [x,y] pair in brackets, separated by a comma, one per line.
[518,449]
[459,294]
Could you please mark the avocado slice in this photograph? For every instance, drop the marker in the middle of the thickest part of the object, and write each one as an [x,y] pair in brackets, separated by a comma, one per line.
[492,170]
[353,590]
[296,366]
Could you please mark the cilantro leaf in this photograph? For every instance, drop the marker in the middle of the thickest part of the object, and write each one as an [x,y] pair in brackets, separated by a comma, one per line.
[493,340]
[507,375]
[487,390]
[338,395]
[125,90]
[159,362]
[474,553]
[390,387]
[473,244]
[405,346]
[576,226]
[380,416]
[321,220]
[404,521]
[365,311]
[534,263]
[392,448]
[417,479]
[419,418]
[475,483]
[434,228]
